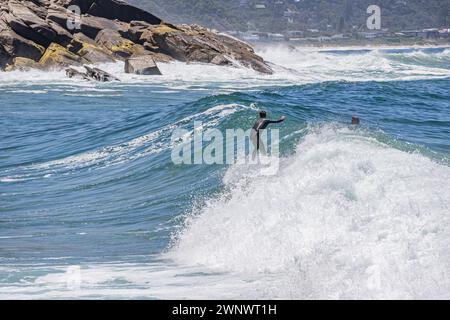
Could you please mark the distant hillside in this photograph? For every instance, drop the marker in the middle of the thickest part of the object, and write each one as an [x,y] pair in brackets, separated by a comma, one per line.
[279,15]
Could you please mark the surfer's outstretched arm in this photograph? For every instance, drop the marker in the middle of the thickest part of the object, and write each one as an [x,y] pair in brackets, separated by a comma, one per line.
[276,121]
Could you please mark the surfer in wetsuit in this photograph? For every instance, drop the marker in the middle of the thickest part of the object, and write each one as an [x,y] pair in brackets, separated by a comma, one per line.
[261,124]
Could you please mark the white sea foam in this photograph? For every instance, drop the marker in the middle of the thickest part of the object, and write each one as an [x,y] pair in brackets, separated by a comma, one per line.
[311,65]
[346,217]
[304,65]
[30,91]
[121,280]
[299,66]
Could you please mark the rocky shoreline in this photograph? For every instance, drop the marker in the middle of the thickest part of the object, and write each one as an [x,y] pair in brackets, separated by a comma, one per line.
[48,34]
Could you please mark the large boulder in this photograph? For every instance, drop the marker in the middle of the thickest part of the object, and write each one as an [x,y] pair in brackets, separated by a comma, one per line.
[62,36]
[135,30]
[114,42]
[58,15]
[57,55]
[26,23]
[39,7]
[91,50]
[143,65]
[94,54]
[171,41]
[90,74]
[99,75]
[18,46]
[73,73]
[91,26]
[23,64]
[24,30]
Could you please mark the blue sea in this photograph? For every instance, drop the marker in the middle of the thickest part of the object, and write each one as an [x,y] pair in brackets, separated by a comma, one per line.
[92,205]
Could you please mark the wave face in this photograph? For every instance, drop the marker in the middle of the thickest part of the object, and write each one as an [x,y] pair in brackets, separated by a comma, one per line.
[87,181]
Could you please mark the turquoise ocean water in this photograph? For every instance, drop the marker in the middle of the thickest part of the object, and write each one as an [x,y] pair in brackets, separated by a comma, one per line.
[88,189]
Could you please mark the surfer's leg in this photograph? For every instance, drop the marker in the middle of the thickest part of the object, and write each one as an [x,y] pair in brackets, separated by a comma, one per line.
[254,139]
[262,148]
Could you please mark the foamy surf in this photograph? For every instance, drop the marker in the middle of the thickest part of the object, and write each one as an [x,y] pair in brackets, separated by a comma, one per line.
[347,217]
[301,66]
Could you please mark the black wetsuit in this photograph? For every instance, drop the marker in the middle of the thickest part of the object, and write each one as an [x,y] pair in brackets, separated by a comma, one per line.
[262,124]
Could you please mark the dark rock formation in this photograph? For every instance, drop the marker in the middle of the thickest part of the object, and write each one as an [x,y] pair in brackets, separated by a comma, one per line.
[4,57]
[99,75]
[45,32]
[91,74]
[18,46]
[144,65]
[73,73]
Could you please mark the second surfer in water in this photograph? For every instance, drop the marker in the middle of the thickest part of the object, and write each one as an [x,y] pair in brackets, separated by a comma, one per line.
[259,125]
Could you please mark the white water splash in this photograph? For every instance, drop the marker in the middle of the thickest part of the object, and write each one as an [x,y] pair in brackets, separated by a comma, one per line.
[347,217]
[299,66]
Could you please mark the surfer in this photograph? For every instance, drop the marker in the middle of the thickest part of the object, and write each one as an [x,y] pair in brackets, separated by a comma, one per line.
[259,125]
[356,121]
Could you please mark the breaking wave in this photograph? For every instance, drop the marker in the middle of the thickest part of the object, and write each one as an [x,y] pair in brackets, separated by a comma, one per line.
[347,217]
